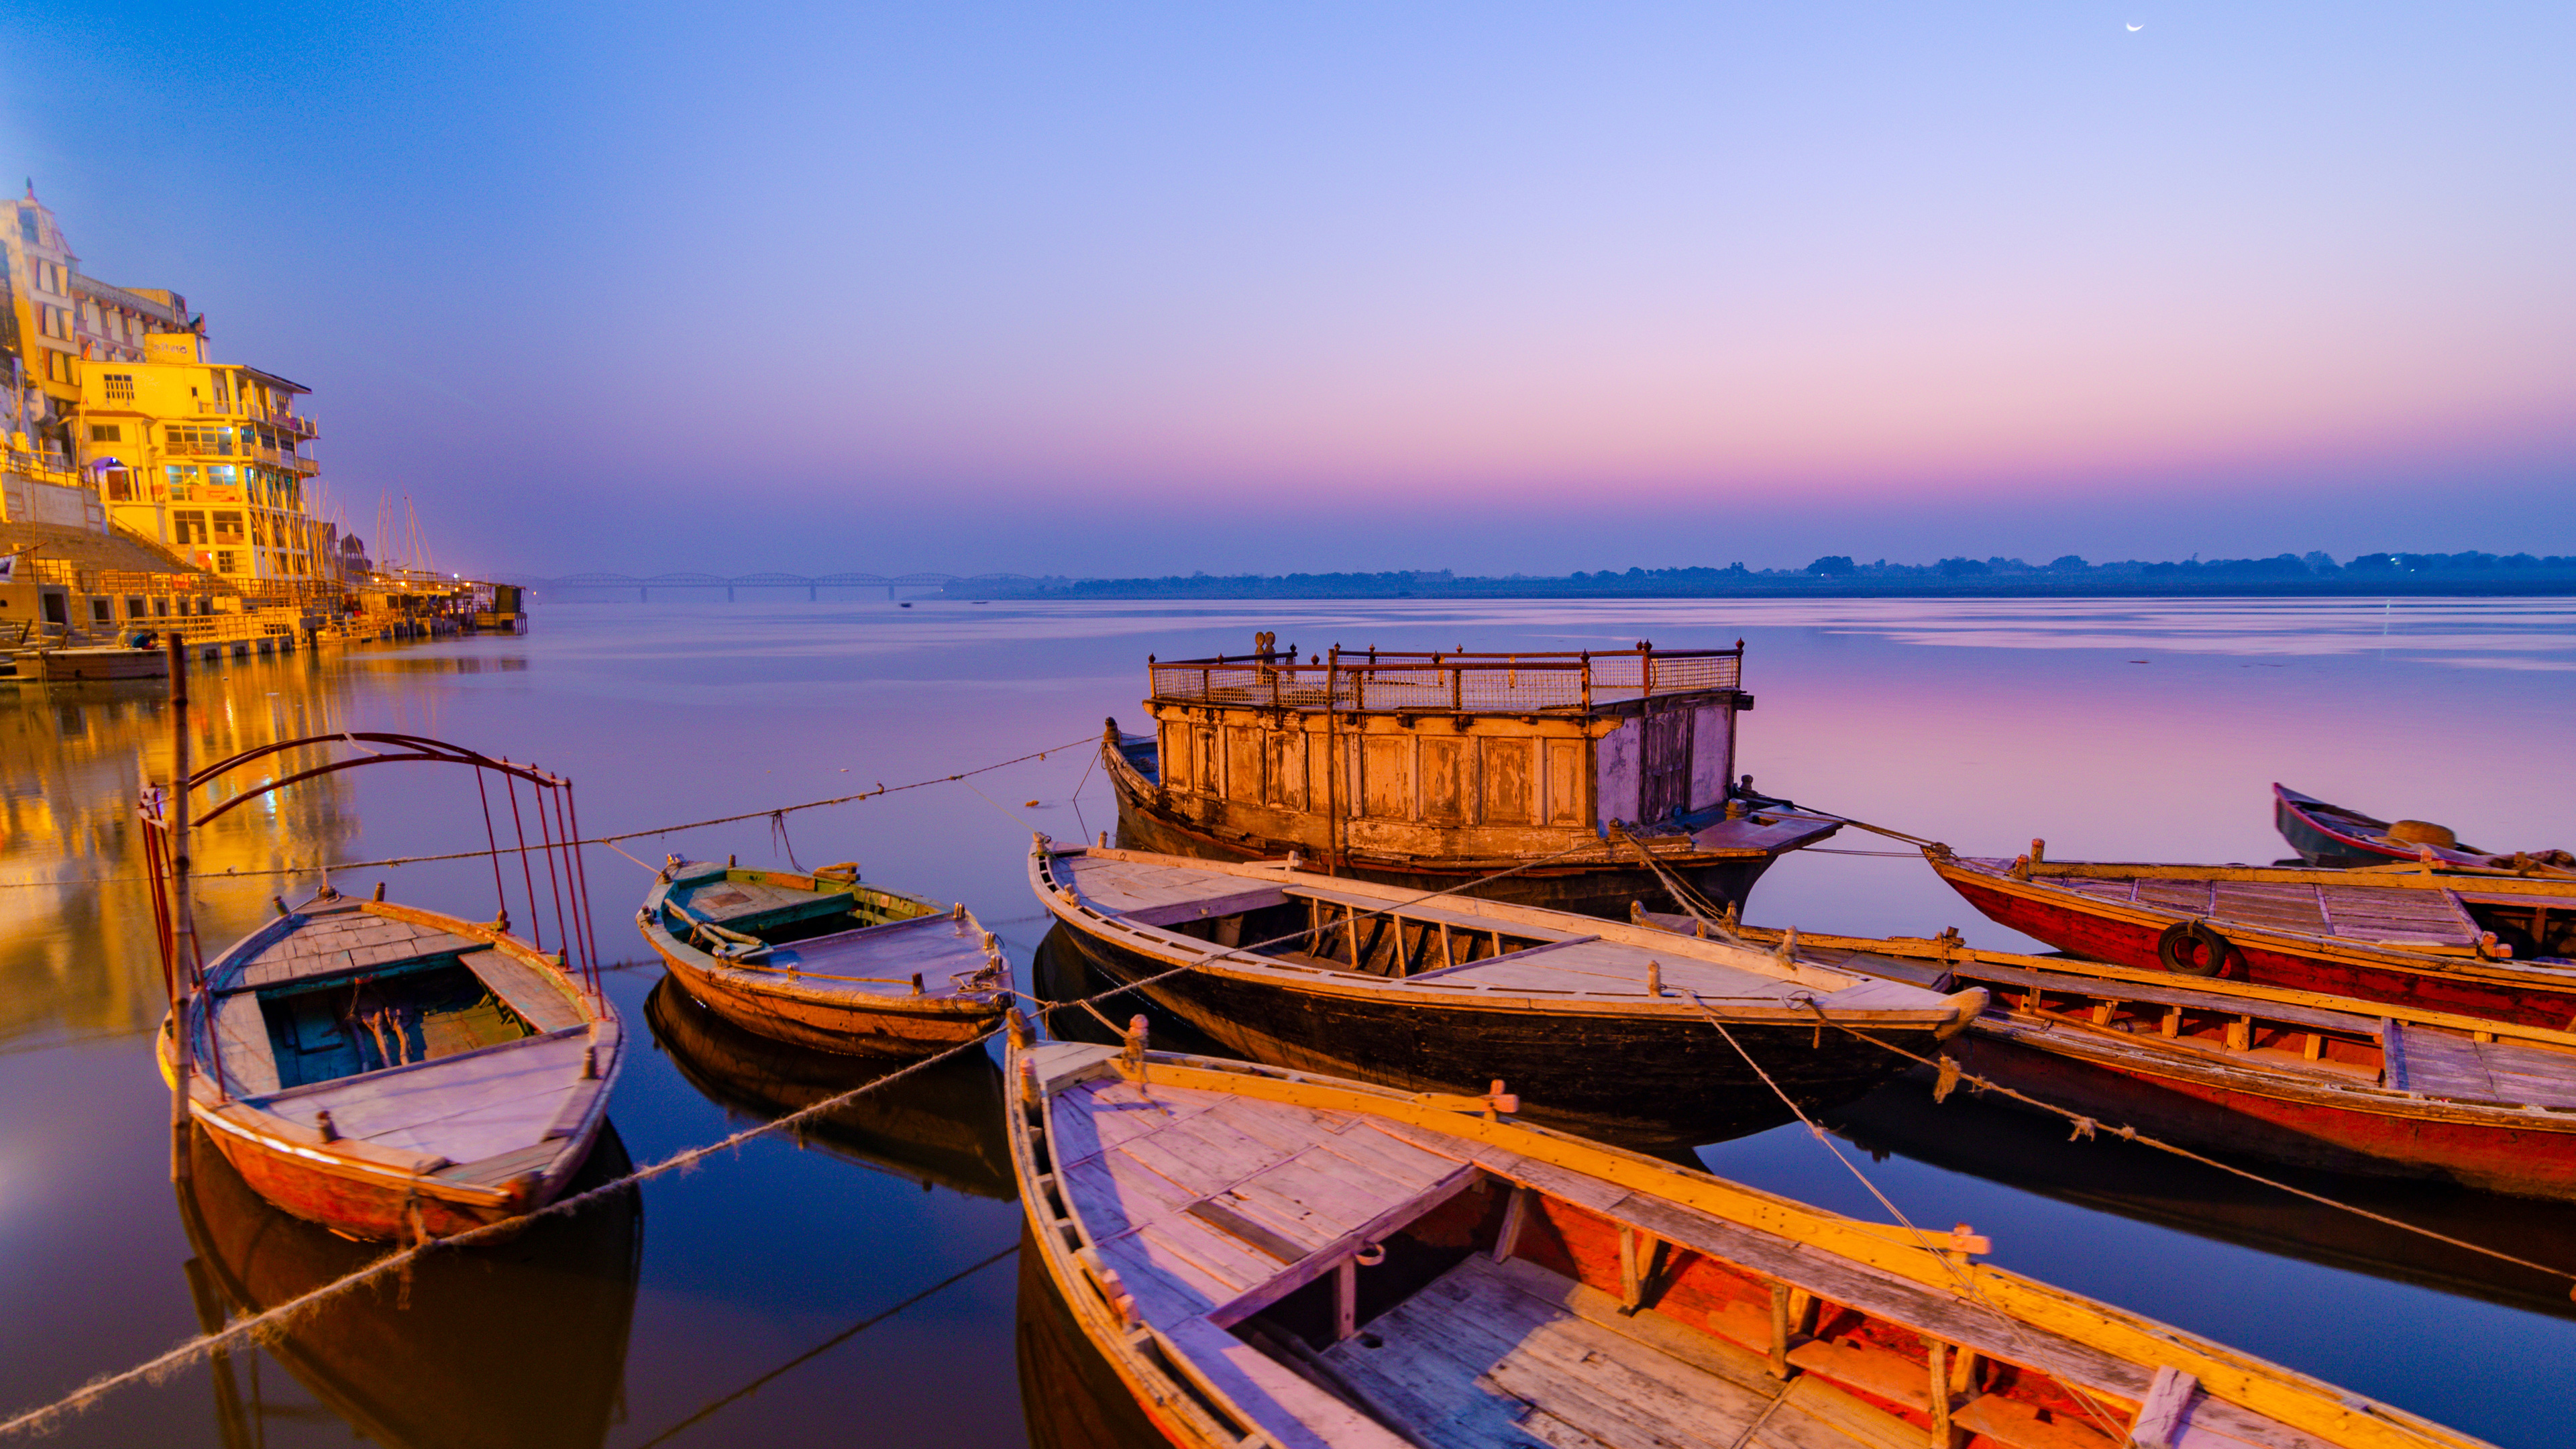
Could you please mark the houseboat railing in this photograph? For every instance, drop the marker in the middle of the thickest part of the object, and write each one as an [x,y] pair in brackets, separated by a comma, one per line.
[1464,683]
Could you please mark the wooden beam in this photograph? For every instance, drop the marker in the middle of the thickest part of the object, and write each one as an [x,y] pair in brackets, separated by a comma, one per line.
[1515,1213]
[1302,1271]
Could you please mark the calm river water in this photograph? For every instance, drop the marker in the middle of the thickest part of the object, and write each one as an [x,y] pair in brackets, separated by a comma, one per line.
[858,1286]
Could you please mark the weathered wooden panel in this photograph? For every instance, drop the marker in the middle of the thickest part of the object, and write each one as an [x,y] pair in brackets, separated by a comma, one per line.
[1712,754]
[1208,766]
[1567,802]
[1619,767]
[1287,780]
[1244,772]
[1664,768]
[1448,780]
[1177,756]
[1509,781]
[1386,777]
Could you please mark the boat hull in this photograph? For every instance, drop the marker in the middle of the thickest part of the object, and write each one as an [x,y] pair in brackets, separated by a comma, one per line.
[880,1027]
[1644,1079]
[2315,846]
[2408,1140]
[1604,890]
[2128,936]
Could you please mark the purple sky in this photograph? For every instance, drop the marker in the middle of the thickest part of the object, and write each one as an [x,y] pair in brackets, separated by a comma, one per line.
[1134,289]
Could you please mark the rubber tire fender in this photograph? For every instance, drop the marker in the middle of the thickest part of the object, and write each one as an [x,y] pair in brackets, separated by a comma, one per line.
[2214,948]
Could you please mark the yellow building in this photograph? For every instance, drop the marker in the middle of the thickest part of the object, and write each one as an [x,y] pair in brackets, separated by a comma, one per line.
[53,323]
[207,459]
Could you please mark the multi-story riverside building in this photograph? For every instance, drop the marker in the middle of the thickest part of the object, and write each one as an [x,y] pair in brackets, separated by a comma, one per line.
[207,459]
[54,322]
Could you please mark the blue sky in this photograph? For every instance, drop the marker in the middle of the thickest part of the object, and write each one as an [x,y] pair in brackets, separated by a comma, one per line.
[1143,289]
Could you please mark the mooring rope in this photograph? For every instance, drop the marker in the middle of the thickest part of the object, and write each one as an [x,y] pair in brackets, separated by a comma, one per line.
[2111,1425]
[607,840]
[1950,1074]
[184,1355]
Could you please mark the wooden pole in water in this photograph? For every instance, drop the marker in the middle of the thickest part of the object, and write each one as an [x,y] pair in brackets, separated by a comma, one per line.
[183,909]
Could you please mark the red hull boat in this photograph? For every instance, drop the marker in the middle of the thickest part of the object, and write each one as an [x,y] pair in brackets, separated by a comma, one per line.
[2488,944]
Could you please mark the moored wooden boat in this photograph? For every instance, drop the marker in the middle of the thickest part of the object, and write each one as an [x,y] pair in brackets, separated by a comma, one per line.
[940,1124]
[2331,835]
[1436,771]
[1266,1256]
[93,663]
[822,961]
[386,1071]
[1609,1027]
[2486,943]
[2235,1067]
[514,1344]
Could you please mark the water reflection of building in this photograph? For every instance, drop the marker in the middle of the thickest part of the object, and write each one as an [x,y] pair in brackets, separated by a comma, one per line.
[76,949]
[520,1343]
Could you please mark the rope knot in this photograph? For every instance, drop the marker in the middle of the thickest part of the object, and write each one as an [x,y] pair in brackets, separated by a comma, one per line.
[2083,1130]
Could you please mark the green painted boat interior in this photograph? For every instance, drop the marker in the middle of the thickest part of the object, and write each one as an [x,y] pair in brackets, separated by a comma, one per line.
[341,1026]
[757,904]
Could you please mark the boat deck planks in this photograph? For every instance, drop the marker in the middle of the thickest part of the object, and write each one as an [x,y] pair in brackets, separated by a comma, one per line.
[459,1108]
[936,946]
[720,899]
[249,1058]
[326,943]
[2358,913]
[524,991]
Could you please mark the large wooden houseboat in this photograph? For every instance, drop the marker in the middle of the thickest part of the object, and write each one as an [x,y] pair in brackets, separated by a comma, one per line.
[1432,770]
[1264,1256]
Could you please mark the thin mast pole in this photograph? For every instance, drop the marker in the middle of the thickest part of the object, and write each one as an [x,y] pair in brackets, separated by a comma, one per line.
[183,913]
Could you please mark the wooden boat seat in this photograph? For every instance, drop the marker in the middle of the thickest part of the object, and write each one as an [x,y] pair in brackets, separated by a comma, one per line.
[881,959]
[750,906]
[2514,1074]
[459,1109]
[1124,886]
[523,990]
[330,941]
[1784,832]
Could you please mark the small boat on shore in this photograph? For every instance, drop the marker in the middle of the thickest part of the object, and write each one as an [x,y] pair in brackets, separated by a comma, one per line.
[93,663]
[1606,1027]
[1262,1255]
[941,1125]
[1502,774]
[2283,1075]
[2477,942]
[821,961]
[389,1072]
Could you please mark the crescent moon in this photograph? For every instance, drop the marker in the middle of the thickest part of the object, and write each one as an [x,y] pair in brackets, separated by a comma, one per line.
[2134,29]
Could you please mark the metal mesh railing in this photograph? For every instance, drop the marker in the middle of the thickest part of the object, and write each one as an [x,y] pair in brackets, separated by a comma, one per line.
[1464,683]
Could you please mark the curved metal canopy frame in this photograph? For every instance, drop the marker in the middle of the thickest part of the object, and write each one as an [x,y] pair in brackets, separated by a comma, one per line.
[417,747]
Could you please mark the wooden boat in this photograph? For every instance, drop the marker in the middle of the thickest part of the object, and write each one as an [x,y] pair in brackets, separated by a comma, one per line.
[2331,835]
[941,1125]
[822,961]
[1611,1028]
[2236,1067]
[515,1344]
[92,663]
[1988,1137]
[386,1071]
[1267,1256]
[2485,943]
[1435,770]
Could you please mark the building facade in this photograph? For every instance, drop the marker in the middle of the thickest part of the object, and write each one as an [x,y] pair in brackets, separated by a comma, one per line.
[208,460]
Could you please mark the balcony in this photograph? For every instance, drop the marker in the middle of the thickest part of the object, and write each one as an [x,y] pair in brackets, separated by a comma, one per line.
[278,418]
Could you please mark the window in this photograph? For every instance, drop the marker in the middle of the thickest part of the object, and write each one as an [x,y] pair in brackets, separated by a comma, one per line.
[108,432]
[161,608]
[100,613]
[119,386]
[187,525]
[134,606]
[227,562]
[217,442]
[27,225]
[228,529]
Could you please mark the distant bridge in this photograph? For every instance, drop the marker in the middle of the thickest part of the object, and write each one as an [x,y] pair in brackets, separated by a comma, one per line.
[812,584]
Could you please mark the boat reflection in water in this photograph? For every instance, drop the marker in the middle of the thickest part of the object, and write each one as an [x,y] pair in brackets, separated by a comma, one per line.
[940,1126]
[1072,1397]
[518,1343]
[2024,1150]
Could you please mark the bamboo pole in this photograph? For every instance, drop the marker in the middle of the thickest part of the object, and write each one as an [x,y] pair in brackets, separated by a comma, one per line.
[183,912]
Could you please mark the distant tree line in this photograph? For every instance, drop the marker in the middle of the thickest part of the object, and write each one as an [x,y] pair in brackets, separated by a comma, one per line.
[1840,575]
